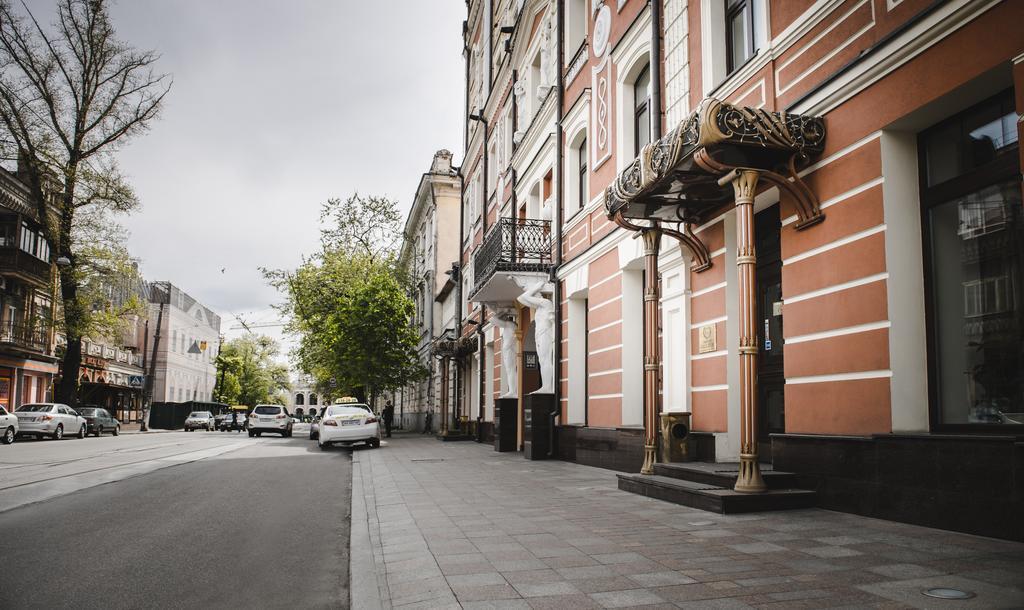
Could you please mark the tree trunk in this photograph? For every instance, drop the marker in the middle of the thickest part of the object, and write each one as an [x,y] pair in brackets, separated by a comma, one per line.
[67,389]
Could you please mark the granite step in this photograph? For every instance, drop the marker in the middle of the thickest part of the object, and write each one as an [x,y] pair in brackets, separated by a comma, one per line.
[723,474]
[712,497]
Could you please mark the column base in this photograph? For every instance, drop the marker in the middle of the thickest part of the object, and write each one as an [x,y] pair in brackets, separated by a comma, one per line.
[749,479]
[649,460]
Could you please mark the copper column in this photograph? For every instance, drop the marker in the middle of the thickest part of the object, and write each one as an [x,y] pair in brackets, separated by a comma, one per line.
[744,185]
[652,362]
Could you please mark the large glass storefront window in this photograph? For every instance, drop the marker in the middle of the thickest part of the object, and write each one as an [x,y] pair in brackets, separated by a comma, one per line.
[971,192]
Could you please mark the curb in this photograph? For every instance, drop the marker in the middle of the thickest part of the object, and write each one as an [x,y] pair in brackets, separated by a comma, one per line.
[364,590]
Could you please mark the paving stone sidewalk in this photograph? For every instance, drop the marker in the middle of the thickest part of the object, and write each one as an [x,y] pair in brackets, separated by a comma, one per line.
[457,525]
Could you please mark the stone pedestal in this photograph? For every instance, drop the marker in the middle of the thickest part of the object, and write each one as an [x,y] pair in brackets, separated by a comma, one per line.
[539,427]
[505,424]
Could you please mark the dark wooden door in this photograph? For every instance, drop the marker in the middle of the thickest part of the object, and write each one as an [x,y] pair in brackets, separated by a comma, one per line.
[771,380]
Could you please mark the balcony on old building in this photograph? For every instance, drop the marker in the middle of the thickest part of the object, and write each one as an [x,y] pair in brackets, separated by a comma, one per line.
[16,262]
[24,337]
[513,249]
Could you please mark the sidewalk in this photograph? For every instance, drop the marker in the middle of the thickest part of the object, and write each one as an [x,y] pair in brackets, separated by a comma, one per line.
[135,428]
[458,525]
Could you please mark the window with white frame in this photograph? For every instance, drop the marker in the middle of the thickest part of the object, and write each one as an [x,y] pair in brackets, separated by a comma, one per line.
[577,171]
[576,19]
[583,174]
[732,32]
[739,33]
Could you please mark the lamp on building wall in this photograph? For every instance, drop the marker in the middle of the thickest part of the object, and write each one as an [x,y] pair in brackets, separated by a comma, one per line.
[63,261]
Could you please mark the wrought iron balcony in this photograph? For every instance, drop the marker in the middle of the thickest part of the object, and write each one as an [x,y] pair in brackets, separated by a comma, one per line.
[512,246]
[24,337]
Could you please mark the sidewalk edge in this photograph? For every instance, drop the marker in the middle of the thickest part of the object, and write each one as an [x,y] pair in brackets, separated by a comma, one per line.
[364,592]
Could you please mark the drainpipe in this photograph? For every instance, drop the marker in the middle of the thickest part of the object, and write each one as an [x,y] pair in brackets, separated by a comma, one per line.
[556,293]
[483,307]
[656,69]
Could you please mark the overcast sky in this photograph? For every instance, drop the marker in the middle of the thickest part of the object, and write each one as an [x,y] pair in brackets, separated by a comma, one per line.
[277,106]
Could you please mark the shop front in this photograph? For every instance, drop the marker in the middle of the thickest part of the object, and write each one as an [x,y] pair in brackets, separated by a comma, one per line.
[113,385]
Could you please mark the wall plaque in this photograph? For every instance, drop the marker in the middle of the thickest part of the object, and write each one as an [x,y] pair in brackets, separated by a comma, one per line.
[708,339]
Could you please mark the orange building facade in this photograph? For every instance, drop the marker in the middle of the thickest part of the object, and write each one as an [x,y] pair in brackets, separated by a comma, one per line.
[888,372]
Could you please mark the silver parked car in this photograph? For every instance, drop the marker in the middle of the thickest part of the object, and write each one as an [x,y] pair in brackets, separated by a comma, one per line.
[8,426]
[49,419]
[199,420]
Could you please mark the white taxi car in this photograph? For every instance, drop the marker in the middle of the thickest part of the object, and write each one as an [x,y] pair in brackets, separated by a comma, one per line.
[270,418]
[347,424]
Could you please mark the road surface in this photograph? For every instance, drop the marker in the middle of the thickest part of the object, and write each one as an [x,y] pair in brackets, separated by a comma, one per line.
[174,520]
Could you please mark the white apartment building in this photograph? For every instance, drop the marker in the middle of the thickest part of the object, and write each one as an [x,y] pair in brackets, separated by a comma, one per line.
[429,249]
[184,339]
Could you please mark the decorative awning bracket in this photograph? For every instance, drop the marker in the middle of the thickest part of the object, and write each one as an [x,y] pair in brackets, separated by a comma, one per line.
[808,208]
[688,242]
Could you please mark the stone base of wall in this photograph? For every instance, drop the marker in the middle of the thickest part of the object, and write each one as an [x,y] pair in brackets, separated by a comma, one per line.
[619,449]
[971,484]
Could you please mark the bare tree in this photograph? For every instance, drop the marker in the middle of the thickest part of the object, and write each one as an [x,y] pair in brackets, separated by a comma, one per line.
[70,95]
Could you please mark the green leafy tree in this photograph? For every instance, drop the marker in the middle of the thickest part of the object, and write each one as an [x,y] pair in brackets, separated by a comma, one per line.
[248,374]
[349,305]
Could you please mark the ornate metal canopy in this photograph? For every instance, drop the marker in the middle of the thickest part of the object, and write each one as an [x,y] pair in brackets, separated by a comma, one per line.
[676,178]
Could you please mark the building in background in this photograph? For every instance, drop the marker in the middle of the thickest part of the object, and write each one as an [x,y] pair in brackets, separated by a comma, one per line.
[183,340]
[112,374]
[849,310]
[304,399]
[429,251]
[28,363]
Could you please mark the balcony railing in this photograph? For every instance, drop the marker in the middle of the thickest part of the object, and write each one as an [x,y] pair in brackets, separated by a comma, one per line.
[513,245]
[14,260]
[24,337]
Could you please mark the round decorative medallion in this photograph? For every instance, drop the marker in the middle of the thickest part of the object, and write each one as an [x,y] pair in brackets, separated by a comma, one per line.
[602,28]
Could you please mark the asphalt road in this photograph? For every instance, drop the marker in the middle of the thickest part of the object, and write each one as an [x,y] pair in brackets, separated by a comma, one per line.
[231,522]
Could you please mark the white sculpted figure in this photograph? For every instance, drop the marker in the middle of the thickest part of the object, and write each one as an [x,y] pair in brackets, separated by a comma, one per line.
[506,321]
[519,90]
[544,335]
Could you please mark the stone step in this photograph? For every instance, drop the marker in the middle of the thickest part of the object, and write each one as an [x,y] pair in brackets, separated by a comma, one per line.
[723,474]
[714,498]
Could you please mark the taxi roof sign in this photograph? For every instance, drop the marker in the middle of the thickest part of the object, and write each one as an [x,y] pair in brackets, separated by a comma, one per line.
[346,400]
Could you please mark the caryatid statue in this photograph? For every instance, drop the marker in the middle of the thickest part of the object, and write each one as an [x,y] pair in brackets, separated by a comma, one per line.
[506,322]
[544,332]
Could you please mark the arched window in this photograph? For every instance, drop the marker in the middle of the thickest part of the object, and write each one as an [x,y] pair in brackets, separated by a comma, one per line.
[298,411]
[312,399]
[642,110]
[300,399]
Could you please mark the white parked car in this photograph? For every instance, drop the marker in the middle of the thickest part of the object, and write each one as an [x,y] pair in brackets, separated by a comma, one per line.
[199,420]
[8,426]
[270,418]
[49,419]
[348,424]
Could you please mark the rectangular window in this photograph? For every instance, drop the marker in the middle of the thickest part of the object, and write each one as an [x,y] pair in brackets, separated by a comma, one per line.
[739,33]
[974,236]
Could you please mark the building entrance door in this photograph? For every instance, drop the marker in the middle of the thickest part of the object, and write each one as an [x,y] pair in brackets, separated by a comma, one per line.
[771,380]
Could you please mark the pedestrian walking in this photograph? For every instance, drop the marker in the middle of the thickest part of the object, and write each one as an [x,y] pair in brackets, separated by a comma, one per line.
[234,421]
[428,423]
[389,418]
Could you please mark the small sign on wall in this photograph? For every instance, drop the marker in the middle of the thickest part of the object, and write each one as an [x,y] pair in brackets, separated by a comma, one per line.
[708,337]
[530,361]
